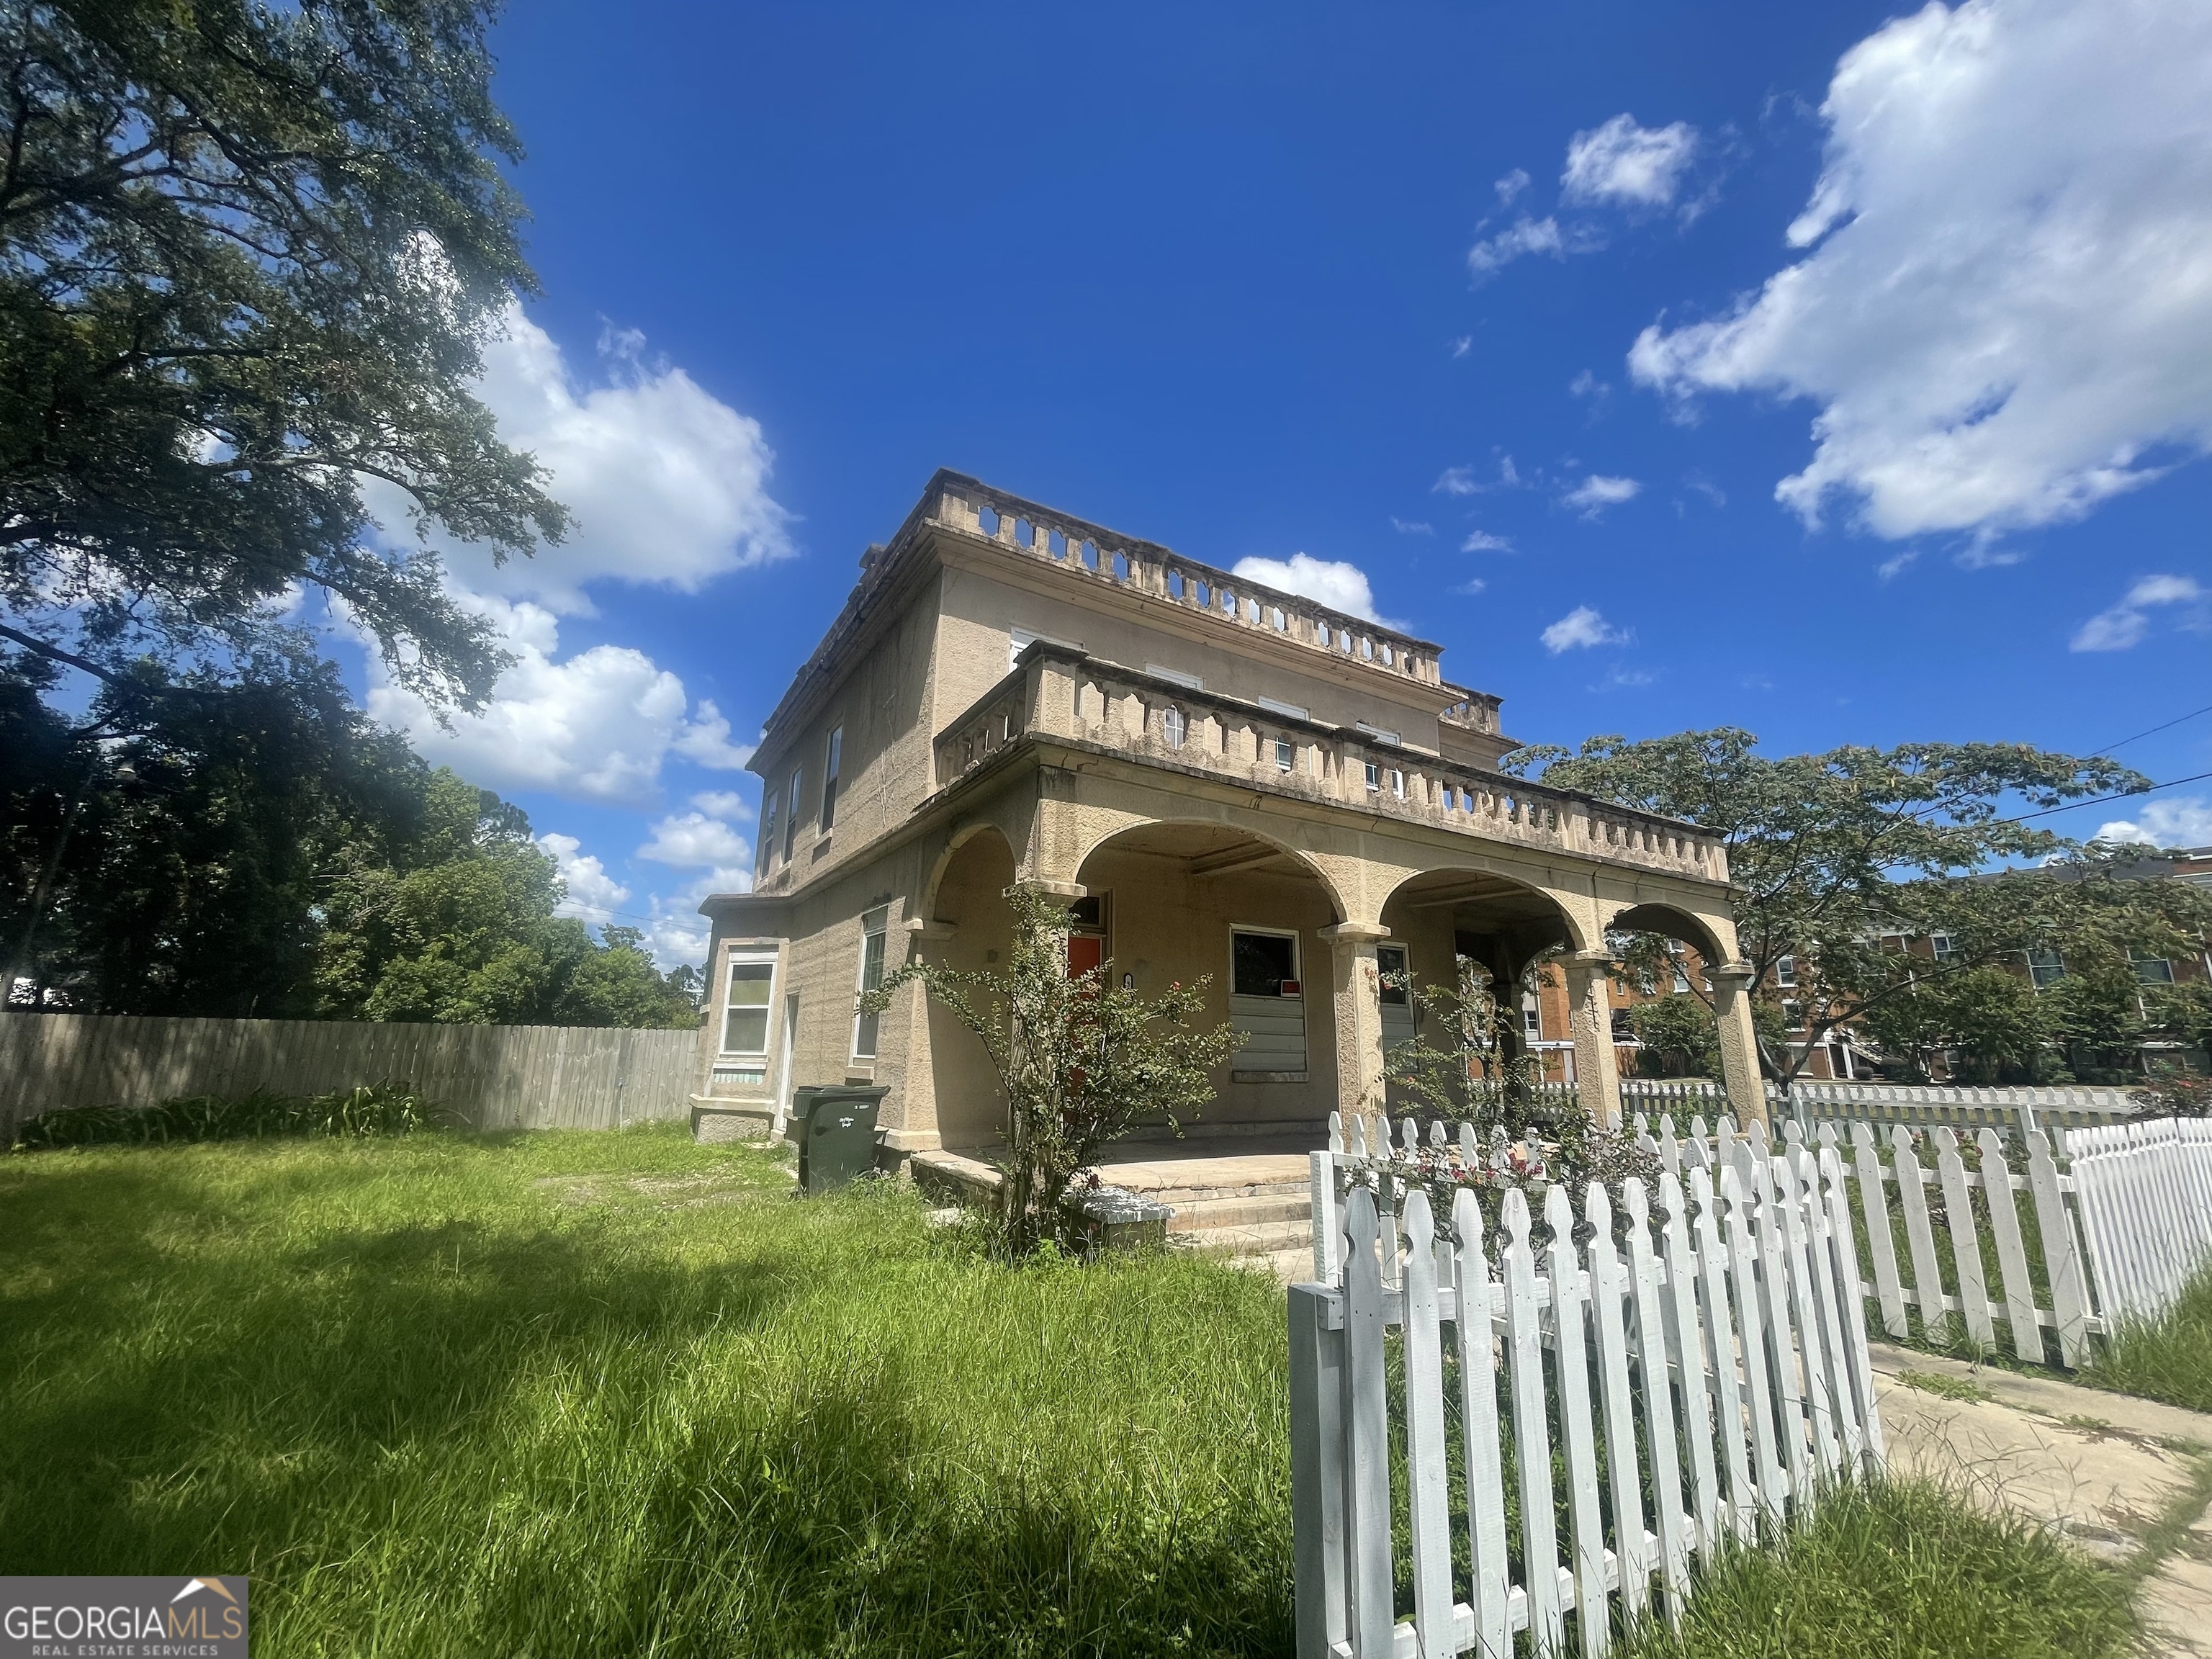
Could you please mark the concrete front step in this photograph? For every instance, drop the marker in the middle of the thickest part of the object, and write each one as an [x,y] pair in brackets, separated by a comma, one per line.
[1261,1238]
[1240,1210]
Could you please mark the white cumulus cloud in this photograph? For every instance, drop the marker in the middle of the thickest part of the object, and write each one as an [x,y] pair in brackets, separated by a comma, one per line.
[1482,541]
[1523,236]
[723,804]
[694,840]
[668,485]
[2186,822]
[593,893]
[2007,316]
[1456,480]
[2121,627]
[1621,161]
[1340,586]
[593,727]
[1597,492]
[1579,629]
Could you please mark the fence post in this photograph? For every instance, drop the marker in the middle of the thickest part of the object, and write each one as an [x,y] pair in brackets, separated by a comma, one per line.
[1317,1470]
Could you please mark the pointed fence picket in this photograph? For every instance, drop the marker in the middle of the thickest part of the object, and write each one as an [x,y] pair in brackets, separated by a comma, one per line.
[1675,1348]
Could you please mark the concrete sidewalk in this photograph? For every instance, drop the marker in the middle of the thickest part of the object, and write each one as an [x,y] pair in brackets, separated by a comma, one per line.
[2106,1470]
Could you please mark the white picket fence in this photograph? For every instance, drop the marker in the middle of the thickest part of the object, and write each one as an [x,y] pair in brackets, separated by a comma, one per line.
[2146,1198]
[1729,1332]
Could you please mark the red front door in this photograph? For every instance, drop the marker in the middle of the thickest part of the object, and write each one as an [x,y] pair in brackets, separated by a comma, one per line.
[1084,952]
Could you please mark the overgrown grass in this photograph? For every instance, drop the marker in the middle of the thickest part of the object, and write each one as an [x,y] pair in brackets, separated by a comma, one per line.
[538,1395]
[376,1109]
[2168,1359]
[1901,1569]
[611,1393]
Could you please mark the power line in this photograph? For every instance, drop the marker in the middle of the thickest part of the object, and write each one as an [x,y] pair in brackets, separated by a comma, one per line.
[2124,794]
[2176,721]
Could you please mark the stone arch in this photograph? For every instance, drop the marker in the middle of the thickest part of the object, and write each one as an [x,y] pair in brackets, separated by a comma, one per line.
[933,886]
[1493,902]
[1673,921]
[1209,839]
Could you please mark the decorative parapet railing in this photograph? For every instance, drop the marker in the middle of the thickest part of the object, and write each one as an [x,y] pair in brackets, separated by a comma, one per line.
[1059,693]
[1475,711]
[1089,550]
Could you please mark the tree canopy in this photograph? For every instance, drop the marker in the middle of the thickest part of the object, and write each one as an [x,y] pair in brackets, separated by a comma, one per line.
[1843,860]
[286,859]
[248,258]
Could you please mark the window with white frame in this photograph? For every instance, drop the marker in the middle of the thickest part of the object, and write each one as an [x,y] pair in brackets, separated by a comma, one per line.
[832,758]
[1944,946]
[1374,776]
[1175,676]
[1173,727]
[745,1000]
[2153,970]
[873,927]
[2046,967]
[1287,755]
[1297,711]
[1785,972]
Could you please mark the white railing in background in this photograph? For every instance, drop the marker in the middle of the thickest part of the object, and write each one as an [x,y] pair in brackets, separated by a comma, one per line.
[1721,1324]
[1947,1217]
[2055,1238]
[2146,1197]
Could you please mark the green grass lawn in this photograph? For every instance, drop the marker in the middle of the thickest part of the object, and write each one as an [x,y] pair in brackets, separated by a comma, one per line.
[582,1394]
[2169,1358]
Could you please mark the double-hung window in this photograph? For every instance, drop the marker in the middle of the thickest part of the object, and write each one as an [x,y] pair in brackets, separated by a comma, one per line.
[2046,967]
[865,1021]
[768,830]
[791,818]
[745,1004]
[1785,972]
[829,766]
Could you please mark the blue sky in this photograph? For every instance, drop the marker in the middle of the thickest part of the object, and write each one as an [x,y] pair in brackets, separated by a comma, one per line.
[1837,372]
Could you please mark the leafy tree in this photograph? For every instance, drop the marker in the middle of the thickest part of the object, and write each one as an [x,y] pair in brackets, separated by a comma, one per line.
[171,852]
[455,924]
[1082,1061]
[248,258]
[1839,858]
[1478,1073]
[1988,1020]
[1678,1035]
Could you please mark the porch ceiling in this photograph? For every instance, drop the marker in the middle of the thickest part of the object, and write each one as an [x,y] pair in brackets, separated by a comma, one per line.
[1208,849]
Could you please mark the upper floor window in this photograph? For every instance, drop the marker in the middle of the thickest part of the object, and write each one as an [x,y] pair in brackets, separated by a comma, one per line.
[1785,971]
[1297,711]
[768,829]
[829,767]
[2153,970]
[1945,947]
[1374,776]
[1286,757]
[1377,733]
[1173,727]
[791,818]
[1175,676]
[2045,966]
[1793,1013]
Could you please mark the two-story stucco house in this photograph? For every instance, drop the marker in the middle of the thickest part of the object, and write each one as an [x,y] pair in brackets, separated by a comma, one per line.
[1218,778]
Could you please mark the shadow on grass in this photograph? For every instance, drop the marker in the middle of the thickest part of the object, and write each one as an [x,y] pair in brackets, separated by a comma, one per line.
[433,1412]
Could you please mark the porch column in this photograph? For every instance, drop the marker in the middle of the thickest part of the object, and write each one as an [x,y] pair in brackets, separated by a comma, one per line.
[1357,988]
[1590,1021]
[1731,983]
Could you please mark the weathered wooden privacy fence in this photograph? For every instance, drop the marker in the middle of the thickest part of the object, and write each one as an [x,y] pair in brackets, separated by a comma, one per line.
[1710,1353]
[497,1076]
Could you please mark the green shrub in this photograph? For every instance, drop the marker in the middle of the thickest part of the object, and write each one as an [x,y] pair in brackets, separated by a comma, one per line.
[375,1109]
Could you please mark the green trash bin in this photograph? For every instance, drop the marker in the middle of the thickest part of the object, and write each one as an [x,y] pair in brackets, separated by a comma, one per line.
[835,1127]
